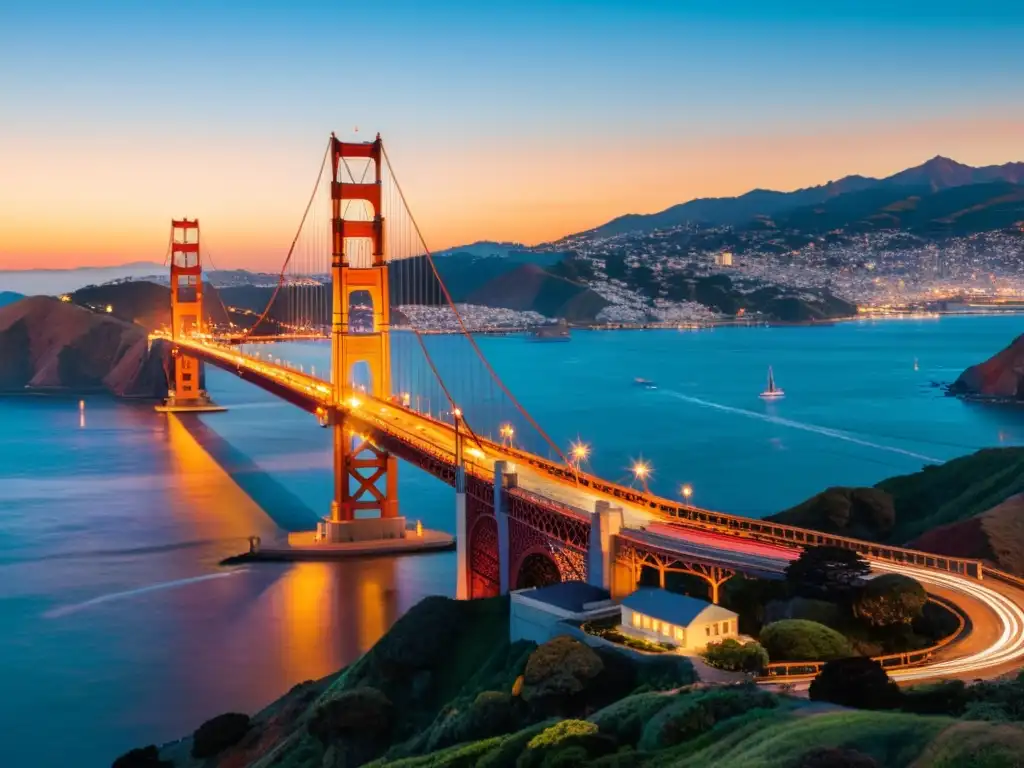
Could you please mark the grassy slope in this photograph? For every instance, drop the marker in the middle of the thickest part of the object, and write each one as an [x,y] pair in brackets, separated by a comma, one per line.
[923,502]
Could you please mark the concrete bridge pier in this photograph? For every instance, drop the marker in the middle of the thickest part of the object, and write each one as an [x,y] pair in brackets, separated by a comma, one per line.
[605,523]
[504,477]
[461,536]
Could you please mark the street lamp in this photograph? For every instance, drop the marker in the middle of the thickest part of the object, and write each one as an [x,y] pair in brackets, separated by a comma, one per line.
[579,452]
[507,433]
[641,471]
[687,491]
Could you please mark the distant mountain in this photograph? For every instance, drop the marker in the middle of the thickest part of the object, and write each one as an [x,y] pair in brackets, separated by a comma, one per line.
[52,282]
[480,249]
[8,297]
[529,287]
[937,174]
[953,210]
[144,303]
[463,273]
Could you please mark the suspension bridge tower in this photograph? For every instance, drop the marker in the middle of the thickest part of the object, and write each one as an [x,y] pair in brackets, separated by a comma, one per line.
[365,504]
[187,319]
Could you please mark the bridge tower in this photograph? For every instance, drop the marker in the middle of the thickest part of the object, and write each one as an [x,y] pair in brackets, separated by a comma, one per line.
[361,508]
[186,319]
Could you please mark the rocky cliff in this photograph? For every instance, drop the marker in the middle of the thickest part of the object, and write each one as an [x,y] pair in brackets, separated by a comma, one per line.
[1000,377]
[49,345]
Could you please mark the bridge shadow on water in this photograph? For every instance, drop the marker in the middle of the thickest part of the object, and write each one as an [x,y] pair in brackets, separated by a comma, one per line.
[282,506]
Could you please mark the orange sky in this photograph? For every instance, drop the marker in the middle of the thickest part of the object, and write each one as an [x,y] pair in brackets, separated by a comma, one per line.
[109,201]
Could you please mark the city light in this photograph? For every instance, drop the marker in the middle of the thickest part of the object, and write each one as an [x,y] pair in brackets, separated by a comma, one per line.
[354,402]
[457,412]
[687,491]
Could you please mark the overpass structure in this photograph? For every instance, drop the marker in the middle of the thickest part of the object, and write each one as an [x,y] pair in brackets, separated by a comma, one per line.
[527,513]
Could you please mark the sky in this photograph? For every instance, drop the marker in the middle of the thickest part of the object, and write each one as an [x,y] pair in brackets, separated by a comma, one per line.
[520,121]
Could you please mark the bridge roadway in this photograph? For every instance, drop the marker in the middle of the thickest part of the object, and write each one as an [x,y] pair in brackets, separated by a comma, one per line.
[994,645]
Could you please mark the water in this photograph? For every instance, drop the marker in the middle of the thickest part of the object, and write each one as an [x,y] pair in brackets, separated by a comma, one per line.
[117,627]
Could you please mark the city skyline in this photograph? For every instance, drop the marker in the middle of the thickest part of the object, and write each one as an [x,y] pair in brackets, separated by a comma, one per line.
[567,116]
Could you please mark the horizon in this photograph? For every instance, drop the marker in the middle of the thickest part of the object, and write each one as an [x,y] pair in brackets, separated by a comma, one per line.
[502,121]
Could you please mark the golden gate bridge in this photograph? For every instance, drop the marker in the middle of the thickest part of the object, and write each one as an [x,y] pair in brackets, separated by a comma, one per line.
[408,381]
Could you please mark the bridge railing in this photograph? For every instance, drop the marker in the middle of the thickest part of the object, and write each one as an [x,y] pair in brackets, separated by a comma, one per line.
[890,661]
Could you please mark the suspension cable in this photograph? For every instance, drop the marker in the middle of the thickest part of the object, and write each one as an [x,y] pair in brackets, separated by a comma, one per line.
[458,317]
[288,258]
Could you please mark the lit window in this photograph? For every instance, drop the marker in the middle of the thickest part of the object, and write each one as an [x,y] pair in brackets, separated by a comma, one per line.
[707,630]
[716,629]
[679,634]
[647,622]
[666,630]
[655,625]
[636,619]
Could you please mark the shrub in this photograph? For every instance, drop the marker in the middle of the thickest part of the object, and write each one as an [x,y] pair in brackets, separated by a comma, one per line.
[559,732]
[511,747]
[890,599]
[988,711]
[948,697]
[625,719]
[219,733]
[361,713]
[143,757]
[492,713]
[732,655]
[692,715]
[566,743]
[558,670]
[855,682]
[664,673]
[835,757]
[800,640]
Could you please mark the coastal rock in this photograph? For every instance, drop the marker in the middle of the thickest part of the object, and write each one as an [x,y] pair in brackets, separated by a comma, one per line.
[999,377]
[50,345]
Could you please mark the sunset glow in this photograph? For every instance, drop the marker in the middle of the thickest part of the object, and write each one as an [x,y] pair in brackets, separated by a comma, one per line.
[501,124]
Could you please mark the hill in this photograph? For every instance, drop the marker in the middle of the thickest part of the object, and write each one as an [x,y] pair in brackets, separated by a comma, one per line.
[933,176]
[8,297]
[444,688]
[969,506]
[531,288]
[145,303]
[1001,377]
[51,346]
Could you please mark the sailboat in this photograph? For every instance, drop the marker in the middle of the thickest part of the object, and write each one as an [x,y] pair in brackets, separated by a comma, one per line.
[772,392]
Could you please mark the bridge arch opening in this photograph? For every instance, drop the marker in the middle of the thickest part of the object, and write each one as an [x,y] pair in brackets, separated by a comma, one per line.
[361,312]
[537,570]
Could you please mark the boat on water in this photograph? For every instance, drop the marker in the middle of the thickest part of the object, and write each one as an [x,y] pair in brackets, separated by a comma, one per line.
[645,383]
[916,367]
[772,392]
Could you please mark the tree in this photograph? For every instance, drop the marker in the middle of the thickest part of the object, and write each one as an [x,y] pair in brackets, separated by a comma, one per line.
[827,571]
[143,757]
[855,682]
[802,640]
[735,656]
[363,713]
[890,599]
[559,670]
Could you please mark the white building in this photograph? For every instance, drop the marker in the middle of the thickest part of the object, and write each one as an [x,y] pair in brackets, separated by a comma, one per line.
[686,622]
[535,614]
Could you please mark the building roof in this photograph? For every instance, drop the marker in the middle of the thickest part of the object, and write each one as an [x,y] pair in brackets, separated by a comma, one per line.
[568,595]
[680,610]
